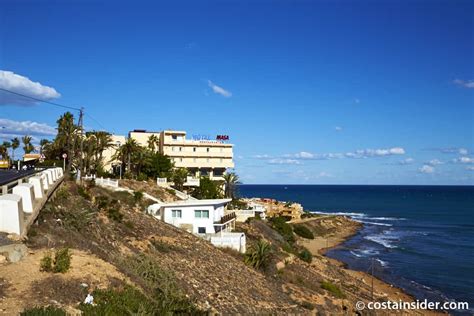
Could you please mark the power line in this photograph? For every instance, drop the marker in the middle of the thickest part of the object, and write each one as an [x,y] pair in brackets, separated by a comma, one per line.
[55,104]
[39,100]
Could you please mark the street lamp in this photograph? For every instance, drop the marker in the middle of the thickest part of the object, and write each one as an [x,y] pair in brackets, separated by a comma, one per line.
[120,165]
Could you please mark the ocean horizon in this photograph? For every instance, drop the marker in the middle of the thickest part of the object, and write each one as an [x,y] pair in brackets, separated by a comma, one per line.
[419,237]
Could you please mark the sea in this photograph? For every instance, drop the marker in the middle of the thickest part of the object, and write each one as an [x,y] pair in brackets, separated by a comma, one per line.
[418,238]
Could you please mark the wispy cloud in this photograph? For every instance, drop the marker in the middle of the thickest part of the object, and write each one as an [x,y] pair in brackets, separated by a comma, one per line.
[23,85]
[434,162]
[279,161]
[405,162]
[338,129]
[356,101]
[464,160]
[426,169]
[451,150]
[264,156]
[10,127]
[357,154]
[219,90]
[470,168]
[464,83]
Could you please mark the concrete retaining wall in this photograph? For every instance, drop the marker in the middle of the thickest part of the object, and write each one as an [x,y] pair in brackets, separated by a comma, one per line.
[20,209]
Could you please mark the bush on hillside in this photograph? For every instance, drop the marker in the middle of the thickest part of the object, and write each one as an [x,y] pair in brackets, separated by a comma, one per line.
[305,255]
[303,231]
[44,311]
[332,288]
[281,226]
[258,256]
[60,264]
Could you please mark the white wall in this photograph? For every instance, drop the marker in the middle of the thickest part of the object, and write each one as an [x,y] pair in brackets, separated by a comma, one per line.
[187,217]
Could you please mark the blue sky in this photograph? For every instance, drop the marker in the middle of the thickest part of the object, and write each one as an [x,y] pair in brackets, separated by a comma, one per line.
[337,92]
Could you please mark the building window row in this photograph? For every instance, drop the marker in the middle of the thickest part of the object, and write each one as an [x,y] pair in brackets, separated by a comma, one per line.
[201,214]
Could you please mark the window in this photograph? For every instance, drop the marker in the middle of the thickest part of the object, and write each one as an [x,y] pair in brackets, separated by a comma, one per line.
[201,230]
[201,214]
[207,149]
[194,149]
[172,148]
[176,213]
[180,148]
[175,137]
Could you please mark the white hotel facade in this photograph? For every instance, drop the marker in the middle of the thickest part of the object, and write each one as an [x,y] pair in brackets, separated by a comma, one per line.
[202,157]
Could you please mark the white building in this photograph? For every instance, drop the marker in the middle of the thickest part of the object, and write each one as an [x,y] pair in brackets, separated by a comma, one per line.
[206,218]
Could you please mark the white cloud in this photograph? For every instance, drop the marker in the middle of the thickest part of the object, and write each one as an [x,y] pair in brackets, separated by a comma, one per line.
[435,162]
[9,127]
[23,85]
[464,160]
[366,153]
[426,169]
[278,161]
[338,128]
[407,161]
[304,155]
[264,156]
[361,153]
[470,168]
[356,100]
[463,151]
[219,90]
[464,83]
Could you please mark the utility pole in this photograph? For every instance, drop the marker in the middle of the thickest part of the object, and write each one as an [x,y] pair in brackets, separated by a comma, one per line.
[372,274]
[81,155]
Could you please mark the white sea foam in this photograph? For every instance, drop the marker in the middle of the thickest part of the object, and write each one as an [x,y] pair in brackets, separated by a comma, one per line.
[373,223]
[382,263]
[387,218]
[382,239]
[355,254]
[341,213]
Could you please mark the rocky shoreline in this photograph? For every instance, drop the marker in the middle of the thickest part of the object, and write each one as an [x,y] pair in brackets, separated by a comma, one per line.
[322,244]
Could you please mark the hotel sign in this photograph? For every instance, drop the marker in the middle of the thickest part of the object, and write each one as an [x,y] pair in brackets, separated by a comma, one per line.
[222,137]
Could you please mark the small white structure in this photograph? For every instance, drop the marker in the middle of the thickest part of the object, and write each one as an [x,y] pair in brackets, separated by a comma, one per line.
[196,216]
[25,191]
[254,210]
[11,214]
[205,218]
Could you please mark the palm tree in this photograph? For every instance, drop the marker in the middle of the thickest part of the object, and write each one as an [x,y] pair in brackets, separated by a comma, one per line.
[5,147]
[231,180]
[179,176]
[27,146]
[3,151]
[15,145]
[125,153]
[153,142]
[43,144]
[66,138]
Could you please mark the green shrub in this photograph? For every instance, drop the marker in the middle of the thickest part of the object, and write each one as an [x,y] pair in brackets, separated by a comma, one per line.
[307,305]
[137,196]
[305,255]
[82,191]
[46,263]
[332,288]
[102,202]
[303,231]
[114,214]
[62,261]
[258,256]
[281,226]
[168,297]
[128,301]
[44,311]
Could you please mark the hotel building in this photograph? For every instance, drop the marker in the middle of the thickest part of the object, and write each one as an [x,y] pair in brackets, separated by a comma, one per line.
[202,157]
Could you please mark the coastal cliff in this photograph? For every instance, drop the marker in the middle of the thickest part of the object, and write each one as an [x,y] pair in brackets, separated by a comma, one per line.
[115,246]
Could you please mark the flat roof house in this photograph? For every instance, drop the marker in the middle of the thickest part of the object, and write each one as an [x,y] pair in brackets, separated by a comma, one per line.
[206,218]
